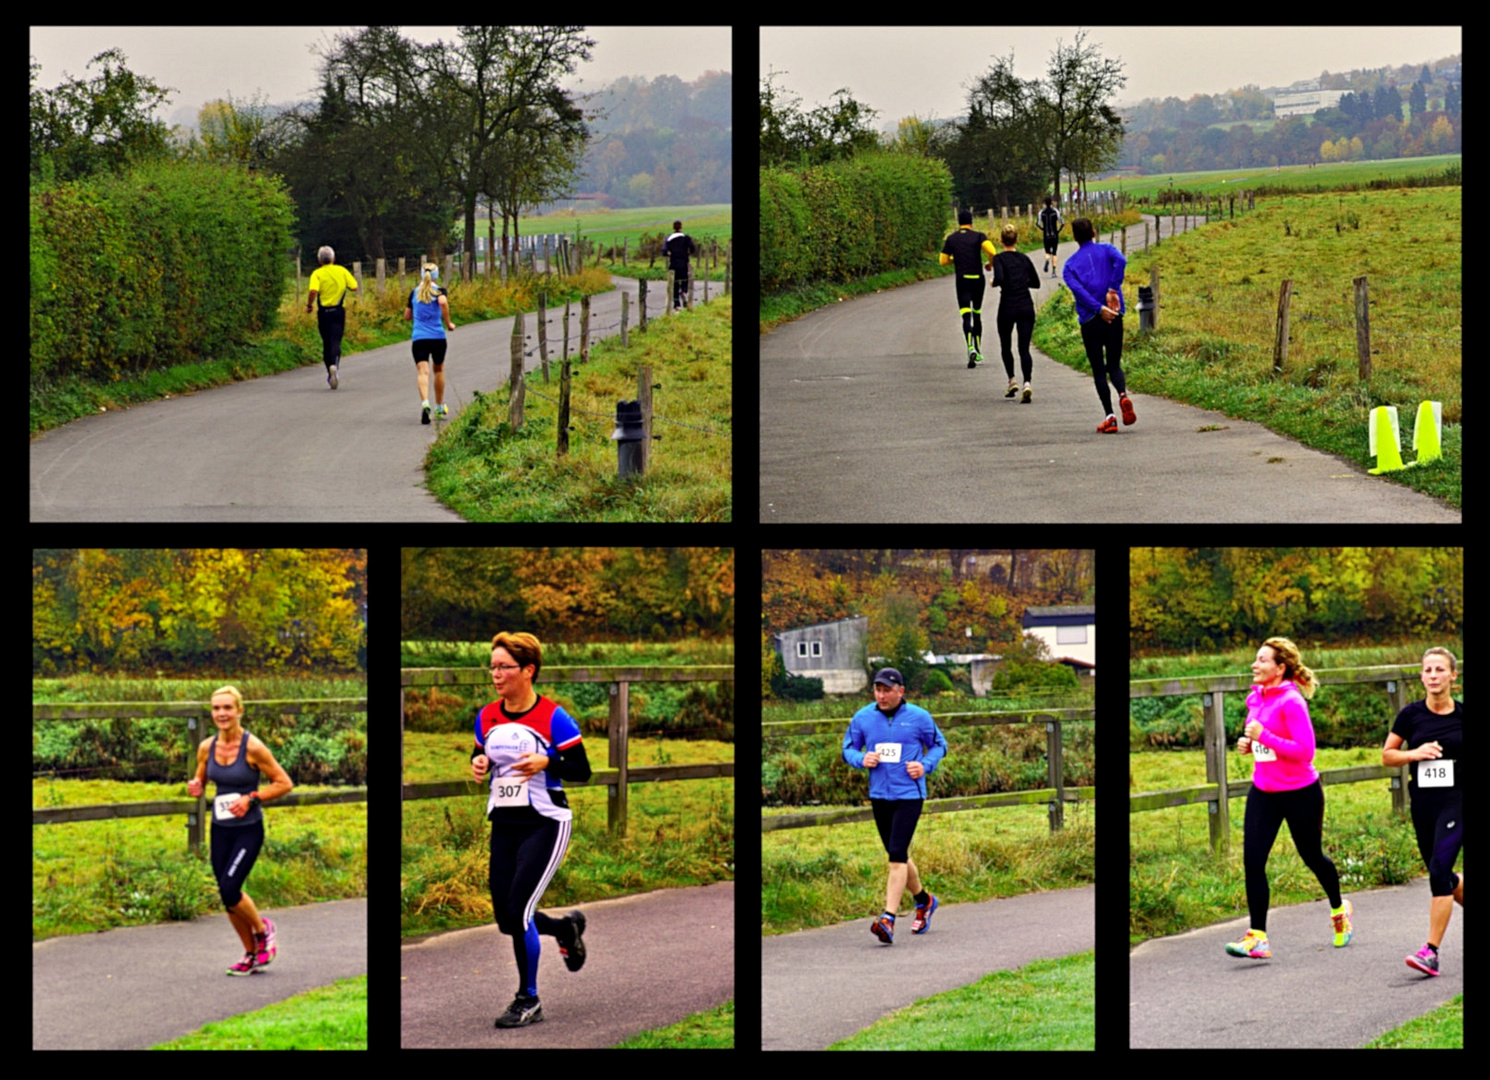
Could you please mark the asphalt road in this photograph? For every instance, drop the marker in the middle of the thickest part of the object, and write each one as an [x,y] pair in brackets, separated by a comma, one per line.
[870,413]
[820,986]
[651,960]
[286,447]
[131,988]
[1186,991]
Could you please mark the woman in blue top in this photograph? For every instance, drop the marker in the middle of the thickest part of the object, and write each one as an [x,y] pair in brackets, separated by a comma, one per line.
[904,745]
[428,308]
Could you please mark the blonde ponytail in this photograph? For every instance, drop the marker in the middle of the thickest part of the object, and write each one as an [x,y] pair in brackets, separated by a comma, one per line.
[1286,653]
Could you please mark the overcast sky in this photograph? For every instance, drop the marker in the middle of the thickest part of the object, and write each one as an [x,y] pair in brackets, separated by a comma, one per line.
[207,63]
[902,71]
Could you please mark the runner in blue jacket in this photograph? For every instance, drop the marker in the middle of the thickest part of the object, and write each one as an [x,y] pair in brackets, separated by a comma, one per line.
[900,744]
[1095,277]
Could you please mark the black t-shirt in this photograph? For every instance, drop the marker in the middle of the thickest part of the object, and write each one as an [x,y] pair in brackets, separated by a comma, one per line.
[1417,724]
[966,248]
[1015,276]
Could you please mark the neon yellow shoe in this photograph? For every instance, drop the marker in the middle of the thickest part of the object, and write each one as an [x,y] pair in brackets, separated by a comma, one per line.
[1343,930]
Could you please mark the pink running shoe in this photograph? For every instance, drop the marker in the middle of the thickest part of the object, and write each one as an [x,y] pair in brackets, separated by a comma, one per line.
[244,966]
[1424,960]
[264,949]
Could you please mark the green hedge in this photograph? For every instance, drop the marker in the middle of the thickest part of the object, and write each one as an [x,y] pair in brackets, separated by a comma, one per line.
[163,264]
[851,218]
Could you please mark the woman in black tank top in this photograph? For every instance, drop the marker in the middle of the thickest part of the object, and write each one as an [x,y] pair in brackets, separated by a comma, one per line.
[235,761]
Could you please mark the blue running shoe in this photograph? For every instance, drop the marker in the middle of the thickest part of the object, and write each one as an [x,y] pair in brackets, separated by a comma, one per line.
[884,929]
[923,916]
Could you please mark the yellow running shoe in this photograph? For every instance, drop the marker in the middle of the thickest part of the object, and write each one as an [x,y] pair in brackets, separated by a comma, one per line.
[1343,929]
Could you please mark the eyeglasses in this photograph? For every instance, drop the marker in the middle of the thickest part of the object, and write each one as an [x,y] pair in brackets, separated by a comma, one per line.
[505,667]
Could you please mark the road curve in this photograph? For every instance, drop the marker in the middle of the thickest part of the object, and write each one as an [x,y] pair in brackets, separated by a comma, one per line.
[286,447]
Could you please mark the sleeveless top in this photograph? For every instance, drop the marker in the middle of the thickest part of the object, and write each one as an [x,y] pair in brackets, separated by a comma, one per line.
[237,779]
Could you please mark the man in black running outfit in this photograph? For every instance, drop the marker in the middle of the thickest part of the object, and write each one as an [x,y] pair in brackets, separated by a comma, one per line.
[966,248]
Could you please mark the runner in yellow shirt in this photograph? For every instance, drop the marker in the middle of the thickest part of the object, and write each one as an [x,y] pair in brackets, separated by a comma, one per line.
[328,286]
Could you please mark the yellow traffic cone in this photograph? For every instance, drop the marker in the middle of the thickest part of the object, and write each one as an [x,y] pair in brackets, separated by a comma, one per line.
[1385,443]
[1427,433]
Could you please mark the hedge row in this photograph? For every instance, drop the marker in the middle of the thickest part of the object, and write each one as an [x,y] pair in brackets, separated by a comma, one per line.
[850,218]
[164,264]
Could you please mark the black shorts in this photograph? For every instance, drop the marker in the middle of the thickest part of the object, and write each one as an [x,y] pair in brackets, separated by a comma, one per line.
[896,820]
[426,349]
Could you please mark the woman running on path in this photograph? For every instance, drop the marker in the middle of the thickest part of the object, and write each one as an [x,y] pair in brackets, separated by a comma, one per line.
[428,308]
[1285,787]
[527,744]
[1014,276]
[965,249]
[1095,277]
[905,745]
[234,760]
[1432,732]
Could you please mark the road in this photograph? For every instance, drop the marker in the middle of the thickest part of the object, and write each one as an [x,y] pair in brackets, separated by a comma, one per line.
[869,412]
[131,988]
[1185,991]
[820,986]
[651,960]
[285,447]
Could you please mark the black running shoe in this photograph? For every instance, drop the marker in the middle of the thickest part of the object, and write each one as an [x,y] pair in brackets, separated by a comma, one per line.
[522,1012]
[574,952]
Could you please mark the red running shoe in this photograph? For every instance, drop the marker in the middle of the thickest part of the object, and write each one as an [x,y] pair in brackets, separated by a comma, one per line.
[1108,426]
[1128,415]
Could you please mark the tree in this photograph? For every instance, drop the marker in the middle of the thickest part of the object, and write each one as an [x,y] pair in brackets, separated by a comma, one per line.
[96,125]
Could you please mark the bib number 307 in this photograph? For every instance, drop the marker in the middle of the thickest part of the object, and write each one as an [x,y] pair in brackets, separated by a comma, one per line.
[510,791]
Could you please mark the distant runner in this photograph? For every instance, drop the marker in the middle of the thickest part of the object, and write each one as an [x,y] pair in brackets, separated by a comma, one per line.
[678,247]
[1050,226]
[904,746]
[428,309]
[1014,276]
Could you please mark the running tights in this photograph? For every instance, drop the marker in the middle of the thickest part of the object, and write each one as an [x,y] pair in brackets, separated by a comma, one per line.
[1100,336]
[1303,809]
[1437,817]
[1026,323]
[523,861]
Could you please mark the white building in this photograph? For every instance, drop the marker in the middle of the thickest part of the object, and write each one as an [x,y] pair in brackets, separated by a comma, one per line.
[1306,102]
[1070,633]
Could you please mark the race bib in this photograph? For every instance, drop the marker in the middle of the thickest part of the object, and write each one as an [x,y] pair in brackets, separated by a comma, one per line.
[888,752]
[222,807]
[1263,753]
[1438,773]
[510,791]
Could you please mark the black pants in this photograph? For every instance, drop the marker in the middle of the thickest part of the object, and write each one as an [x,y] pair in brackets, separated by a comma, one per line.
[235,848]
[680,287]
[1303,809]
[1026,323]
[1438,820]
[896,820]
[1100,336]
[332,322]
[523,861]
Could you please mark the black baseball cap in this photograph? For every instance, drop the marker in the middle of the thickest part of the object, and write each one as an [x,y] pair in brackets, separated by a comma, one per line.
[889,676]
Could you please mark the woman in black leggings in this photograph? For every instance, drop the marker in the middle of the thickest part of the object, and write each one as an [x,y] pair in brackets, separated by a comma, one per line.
[1014,275]
[525,745]
[1285,787]
[234,760]
[1429,735]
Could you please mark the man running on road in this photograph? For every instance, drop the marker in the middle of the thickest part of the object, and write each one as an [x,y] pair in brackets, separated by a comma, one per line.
[1095,277]
[904,745]
[966,249]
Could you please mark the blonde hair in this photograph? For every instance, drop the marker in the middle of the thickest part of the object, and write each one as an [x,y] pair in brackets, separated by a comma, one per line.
[1286,653]
[233,690]
[1010,235]
[427,284]
[1441,651]
[524,649]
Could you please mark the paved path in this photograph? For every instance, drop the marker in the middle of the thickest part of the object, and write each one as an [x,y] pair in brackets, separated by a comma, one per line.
[1185,991]
[820,986]
[287,448]
[131,988]
[869,412]
[652,960]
